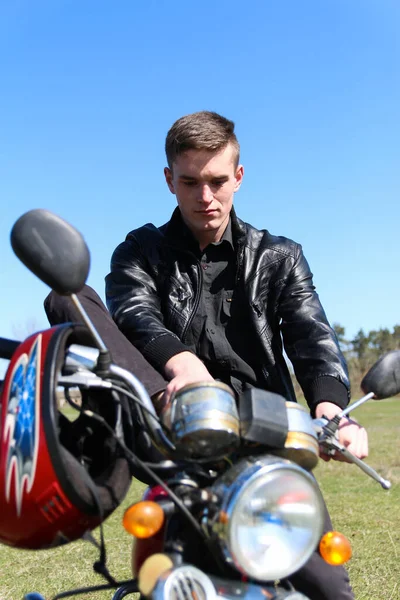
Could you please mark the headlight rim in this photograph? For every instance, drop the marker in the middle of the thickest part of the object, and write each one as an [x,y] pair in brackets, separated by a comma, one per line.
[230,493]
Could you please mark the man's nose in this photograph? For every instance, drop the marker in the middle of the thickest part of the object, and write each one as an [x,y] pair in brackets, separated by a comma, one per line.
[206,194]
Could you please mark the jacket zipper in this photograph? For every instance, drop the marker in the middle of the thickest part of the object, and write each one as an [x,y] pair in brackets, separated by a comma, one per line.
[197,299]
[239,264]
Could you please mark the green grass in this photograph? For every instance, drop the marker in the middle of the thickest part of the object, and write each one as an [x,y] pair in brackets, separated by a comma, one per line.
[53,571]
[360,508]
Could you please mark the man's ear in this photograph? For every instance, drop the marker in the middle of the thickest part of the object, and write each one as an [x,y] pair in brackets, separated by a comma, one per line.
[239,177]
[169,179]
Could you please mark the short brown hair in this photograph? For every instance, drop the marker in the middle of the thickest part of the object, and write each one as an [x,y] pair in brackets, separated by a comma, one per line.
[203,130]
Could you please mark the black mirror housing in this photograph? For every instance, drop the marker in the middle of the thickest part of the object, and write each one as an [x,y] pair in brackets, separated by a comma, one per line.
[52,249]
[383,379]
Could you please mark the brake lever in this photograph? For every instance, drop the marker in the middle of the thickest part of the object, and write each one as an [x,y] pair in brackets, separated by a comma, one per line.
[333,445]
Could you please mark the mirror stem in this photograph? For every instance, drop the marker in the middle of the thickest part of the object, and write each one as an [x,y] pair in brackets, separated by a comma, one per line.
[355,404]
[88,323]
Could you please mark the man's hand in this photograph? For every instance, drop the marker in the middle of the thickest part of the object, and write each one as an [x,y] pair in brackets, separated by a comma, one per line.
[351,435]
[182,369]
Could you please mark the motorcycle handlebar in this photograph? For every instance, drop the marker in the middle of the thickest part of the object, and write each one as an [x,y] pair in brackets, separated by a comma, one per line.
[85,358]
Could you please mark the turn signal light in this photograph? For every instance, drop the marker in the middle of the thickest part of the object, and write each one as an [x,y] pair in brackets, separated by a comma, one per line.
[335,548]
[144,519]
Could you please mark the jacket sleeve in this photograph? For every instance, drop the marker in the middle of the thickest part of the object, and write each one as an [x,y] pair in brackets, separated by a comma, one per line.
[309,341]
[134,303]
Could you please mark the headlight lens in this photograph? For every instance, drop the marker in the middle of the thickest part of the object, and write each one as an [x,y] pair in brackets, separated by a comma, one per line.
[271,518]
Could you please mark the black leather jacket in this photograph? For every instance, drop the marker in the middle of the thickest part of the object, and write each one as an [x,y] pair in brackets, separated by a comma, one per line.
[153,291]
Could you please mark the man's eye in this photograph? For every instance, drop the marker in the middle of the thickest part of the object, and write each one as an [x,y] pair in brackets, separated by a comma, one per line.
[218,182]
[190,183]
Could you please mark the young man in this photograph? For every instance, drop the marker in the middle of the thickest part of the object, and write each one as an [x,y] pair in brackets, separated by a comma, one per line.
[207,296]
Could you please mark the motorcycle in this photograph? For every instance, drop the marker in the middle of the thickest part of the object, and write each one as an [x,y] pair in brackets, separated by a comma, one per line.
[232,509]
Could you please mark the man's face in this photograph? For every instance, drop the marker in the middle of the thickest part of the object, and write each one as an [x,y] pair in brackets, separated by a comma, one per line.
[204,184]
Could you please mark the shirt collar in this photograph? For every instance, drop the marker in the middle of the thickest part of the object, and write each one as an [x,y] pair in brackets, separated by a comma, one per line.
[179,232]
[227,235]
[192,242]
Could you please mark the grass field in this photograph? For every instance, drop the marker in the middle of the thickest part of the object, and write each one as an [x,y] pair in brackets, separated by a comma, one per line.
[359,507]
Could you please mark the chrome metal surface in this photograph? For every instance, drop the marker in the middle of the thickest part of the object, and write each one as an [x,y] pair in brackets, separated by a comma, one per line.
[301,444]
[184,583]
[333,445]
[356,404]
[203,420]
[236,482]
[83,378]
[188,582]
[84,359]
[299,419]
[319,424]
[328,438]
[88,323]
[237,590]
[79,356]
[138,388]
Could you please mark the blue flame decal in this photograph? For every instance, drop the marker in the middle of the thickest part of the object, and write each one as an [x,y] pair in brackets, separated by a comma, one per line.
[22,424]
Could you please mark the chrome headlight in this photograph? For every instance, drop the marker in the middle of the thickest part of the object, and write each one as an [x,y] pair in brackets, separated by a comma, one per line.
[270,519]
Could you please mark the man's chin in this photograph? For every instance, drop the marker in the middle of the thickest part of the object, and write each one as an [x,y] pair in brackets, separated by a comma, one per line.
[210,227]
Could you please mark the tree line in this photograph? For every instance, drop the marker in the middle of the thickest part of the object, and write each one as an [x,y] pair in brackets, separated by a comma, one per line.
[361,352]
[365,348]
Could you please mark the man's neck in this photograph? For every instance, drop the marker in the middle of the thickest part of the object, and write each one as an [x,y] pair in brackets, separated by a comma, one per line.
[210,237]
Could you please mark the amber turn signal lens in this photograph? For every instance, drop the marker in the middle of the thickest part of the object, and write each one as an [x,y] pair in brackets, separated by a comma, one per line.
[335,548]
[143,519]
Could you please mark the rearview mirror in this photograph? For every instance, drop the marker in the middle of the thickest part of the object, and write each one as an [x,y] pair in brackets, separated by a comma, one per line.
[52,249]
[383,379]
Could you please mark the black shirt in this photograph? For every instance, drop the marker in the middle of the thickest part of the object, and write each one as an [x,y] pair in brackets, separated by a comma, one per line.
[220,332]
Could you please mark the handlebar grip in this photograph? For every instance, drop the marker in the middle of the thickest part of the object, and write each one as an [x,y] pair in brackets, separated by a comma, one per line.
[7,348]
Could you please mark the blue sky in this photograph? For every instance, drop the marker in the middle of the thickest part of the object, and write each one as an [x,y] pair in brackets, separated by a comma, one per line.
[89,89]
